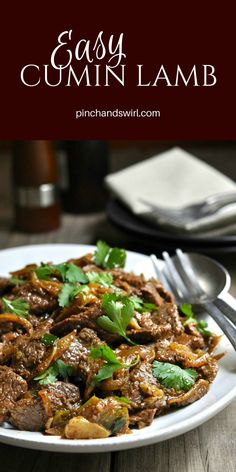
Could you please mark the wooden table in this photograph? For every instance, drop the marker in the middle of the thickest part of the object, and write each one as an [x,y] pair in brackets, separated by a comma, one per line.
[209,448]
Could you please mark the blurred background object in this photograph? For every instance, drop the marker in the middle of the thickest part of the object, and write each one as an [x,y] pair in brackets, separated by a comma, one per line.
[82,166]
[35,186]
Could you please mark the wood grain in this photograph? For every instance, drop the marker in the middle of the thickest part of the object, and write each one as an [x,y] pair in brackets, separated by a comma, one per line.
[14,459]
[209,448]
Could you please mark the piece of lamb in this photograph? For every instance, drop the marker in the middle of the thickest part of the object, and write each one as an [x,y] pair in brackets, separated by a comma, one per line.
[31,414]
[12,387]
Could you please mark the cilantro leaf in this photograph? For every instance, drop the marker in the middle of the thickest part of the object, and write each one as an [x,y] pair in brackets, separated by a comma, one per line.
[102,278]
[45,271]
[108,257]
[68,271]
[101,253]
[118,313]
[124,400]
[173,376]
[61,269]
[58,369]
[104,373]
[75,274]
[16,281]
[17,306]
[47,377]
[64,370]
[201,327]
[69,291]
[186,309]
[141,306]
[116,258]
[66,294]
[104,352]
[49,339]
[111,362]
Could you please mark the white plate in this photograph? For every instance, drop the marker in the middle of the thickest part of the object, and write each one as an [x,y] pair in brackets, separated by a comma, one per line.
[177,422]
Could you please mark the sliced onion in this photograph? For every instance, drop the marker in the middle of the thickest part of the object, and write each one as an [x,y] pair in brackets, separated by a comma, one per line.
[63,344]
[11,318]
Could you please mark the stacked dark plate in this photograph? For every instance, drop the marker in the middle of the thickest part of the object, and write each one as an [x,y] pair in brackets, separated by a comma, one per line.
[151,236]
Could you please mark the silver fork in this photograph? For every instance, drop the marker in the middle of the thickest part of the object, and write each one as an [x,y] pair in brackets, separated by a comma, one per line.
[186,289]
[207,207]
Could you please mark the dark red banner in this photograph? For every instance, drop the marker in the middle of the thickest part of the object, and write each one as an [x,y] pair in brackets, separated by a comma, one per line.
[118,71]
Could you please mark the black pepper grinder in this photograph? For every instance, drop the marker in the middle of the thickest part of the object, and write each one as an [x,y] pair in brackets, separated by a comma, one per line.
[34,173]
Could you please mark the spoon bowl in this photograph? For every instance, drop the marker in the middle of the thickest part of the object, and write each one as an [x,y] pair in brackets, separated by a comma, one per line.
[212,276]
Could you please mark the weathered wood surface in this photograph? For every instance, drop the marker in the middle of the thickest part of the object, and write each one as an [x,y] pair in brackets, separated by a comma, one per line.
[209,448]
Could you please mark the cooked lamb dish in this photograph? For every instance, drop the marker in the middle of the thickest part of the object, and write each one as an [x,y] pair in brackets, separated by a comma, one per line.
[89,351]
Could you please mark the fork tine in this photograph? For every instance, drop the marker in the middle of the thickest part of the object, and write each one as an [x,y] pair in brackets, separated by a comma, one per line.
[188,275]
[160,275]
[200,297]
[174,277]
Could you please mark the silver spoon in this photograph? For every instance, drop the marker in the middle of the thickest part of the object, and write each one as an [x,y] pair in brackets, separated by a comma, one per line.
[215,281]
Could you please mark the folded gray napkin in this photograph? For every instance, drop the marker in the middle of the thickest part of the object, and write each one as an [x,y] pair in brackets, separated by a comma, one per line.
[175,179]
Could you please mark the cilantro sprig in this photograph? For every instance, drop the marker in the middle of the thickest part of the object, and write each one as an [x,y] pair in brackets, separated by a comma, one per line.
[102,278]
[173,376]
[69,291]
[68,271]
[16,281]
[186,309]
[118,313]
[18,306]
[201,325]
[111,365]
[108,257]
[111,362]
[141,306]
[58,369]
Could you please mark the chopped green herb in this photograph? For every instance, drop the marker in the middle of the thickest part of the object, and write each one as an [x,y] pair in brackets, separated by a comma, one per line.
[111,362]
[49,339]
[186,309]
[17,306]
[119,312]
[102,278]
[141,306]
[47,377]
[108,257]
[68,271]
[69,291]
[75,274]
[58,369]
[61,269]
[122,400]
[16,281]
[173,376]
[104,352]
[106,371]
[101,253]
[116,258]
[64,370]
[201,325]
[45,271]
